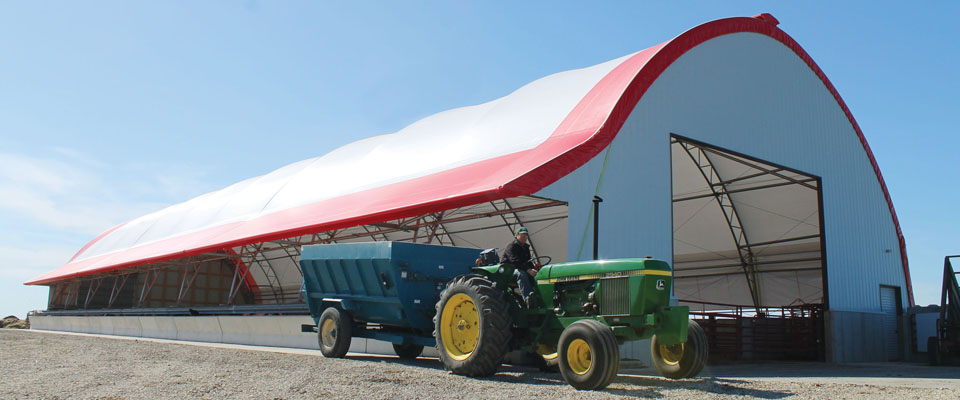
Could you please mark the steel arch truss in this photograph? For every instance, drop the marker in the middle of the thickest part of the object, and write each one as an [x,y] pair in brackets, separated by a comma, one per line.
[719,191]
[774,216]
[269,273]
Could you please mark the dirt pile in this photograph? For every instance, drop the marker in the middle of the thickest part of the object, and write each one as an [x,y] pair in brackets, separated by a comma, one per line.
[13,322]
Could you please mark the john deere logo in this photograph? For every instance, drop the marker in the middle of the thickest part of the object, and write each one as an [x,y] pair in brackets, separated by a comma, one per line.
[661,284]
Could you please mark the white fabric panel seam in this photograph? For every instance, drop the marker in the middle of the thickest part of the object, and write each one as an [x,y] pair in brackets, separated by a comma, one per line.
[519,121]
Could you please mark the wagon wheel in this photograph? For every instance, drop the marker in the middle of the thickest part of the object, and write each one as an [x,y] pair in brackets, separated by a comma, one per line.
[334,332]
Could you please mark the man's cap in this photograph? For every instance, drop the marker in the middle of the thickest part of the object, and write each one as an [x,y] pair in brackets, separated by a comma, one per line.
[522,230]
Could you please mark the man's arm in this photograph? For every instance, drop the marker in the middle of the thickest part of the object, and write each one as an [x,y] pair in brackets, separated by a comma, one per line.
[509,254]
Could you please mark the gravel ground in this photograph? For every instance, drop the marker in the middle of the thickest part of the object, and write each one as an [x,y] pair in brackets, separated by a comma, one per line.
[45,365]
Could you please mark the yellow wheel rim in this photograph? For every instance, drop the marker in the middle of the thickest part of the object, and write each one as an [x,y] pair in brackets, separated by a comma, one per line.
[328,332]
[671,354]
[579,357]
[459,327]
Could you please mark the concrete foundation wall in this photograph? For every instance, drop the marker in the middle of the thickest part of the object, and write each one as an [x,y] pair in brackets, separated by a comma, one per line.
[280,331]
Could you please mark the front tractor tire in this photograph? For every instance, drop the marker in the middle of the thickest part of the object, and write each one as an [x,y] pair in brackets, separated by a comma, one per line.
[588,355]
[334,332]
[472,326]
[681,360]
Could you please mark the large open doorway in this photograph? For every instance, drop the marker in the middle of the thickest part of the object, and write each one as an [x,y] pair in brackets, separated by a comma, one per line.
[748,252]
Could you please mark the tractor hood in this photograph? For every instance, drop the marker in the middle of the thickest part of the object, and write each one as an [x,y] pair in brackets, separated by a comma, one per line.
[598,269]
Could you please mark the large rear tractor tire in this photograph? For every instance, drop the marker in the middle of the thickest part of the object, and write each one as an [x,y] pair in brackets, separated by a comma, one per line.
[472,326]
[334,332]
[408,351]
[588,355]
[681,360]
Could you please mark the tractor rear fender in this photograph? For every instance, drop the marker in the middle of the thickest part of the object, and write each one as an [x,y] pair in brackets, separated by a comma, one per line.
[672,327]
[501,274]
[494,270]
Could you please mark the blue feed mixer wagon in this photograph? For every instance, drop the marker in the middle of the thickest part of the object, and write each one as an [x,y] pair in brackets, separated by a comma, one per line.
[378,290]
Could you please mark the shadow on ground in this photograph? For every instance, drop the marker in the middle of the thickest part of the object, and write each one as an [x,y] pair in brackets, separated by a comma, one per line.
[653,387]
[623,385]
[825,370]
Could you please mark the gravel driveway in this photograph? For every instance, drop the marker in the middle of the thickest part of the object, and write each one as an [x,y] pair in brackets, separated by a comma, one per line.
[47,365]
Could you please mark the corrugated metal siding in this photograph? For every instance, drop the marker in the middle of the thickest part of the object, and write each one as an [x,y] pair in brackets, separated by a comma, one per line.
[852,337]
[750,94]
[888,305]
[636,191]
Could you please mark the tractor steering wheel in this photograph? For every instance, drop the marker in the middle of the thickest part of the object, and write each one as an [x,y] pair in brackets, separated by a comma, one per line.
[542,264]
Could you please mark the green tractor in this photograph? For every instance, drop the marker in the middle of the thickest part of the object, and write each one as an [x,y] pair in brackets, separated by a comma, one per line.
[581,313]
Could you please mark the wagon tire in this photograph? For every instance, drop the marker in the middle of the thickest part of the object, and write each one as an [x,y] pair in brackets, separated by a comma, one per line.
[682,360]
[472,326]
[588,355]
[408,351]
[334,331]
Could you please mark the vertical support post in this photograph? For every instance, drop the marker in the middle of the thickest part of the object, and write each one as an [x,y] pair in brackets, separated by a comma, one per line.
[949,301]
[86,299]
[91,291]
[147,285]
[824,276]
[596,226]
[65,294]
[143,291]
[115,291]
[233,282]
[56,291]
[416,229]
[433,229]
[183,282]
[76,296]
[238,279]
[720,192]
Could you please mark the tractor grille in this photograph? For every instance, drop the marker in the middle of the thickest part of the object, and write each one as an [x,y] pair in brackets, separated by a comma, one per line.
[615,296]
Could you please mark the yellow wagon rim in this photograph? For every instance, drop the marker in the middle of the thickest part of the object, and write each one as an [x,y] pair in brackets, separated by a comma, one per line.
[579,356]
[460,327]
[328,332]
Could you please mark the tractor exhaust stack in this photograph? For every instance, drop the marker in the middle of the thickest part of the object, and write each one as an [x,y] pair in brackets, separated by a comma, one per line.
[596,224]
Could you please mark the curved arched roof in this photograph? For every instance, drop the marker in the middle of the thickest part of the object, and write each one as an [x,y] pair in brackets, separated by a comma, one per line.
[512,146]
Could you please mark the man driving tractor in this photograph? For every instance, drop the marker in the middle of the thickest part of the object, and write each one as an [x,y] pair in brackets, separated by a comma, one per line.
[517,253]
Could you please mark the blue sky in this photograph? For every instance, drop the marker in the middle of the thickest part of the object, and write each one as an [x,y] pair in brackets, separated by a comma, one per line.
[110,110]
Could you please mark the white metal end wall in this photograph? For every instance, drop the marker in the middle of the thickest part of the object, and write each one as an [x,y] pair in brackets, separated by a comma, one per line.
[750,94]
